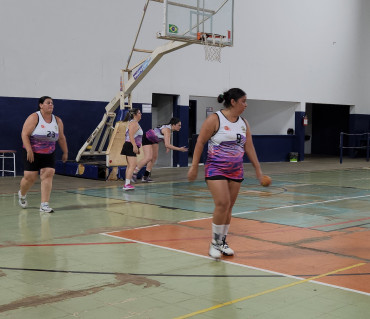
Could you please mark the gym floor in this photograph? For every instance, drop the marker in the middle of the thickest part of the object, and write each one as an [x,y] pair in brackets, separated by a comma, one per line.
[302,247]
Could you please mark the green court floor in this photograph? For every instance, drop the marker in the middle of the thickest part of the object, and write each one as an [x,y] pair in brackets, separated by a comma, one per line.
[302,247]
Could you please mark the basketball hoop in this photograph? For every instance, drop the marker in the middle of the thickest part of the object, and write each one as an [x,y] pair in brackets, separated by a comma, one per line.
[212,50]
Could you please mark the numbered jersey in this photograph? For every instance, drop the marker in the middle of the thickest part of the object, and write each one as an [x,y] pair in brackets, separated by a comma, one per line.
[226,149]
[44,135]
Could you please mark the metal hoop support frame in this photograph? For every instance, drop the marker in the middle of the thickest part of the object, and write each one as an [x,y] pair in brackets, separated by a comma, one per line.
[212,50]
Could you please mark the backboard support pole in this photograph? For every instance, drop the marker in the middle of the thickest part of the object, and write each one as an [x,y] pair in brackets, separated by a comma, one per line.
[106,123]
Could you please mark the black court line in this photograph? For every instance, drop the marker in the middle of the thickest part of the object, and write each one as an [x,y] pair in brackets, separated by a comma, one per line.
[135,201]
[174,275]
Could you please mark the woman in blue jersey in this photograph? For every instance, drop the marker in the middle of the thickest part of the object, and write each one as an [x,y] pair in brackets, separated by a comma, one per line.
[229,137]
[151,138]
[131,147]
[40,132]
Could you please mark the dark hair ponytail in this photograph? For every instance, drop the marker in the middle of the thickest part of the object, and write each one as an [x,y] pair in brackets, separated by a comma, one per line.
[42,100]
[220,98]
[232,94]
[174,121]
[130,114]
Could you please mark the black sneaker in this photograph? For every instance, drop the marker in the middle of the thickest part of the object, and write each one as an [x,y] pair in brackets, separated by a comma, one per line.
[134,178]
[146,179]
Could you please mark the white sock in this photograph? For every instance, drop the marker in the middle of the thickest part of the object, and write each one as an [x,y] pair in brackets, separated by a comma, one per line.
[217,232]
[225,230]
[45,204]
[127,181]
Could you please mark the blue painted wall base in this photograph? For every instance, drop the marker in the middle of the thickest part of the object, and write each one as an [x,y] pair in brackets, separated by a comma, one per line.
[90,170]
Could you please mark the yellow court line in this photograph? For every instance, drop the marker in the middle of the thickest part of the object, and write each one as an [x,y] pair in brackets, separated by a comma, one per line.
[267,291]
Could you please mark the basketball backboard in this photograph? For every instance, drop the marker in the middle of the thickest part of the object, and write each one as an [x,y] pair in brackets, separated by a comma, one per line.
[198,20]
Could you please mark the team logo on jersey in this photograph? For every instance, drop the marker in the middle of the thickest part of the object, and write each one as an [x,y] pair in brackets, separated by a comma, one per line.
[244,129]
[43,126]
[226,128]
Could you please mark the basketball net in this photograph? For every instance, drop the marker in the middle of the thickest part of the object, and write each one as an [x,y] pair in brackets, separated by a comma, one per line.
[212,50]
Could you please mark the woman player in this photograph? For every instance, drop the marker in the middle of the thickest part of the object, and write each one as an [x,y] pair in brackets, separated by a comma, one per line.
[151,138]
[131,147]
[40,132]
[229,138]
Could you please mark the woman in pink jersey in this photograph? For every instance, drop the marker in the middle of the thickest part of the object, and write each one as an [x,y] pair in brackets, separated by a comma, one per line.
[151,138]
[40,132]
[229,137]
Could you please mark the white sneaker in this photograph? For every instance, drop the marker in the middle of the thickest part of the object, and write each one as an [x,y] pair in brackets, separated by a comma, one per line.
[225,249]
[214,250]
[22,200]
[44,207]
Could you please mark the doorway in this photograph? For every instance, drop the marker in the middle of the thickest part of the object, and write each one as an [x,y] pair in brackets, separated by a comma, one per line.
[328,121]
[162,111]
[192,126]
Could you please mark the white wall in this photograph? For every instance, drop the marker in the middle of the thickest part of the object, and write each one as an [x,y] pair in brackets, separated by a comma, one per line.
[264,117]
[363,83]
[313,51]
[270,117]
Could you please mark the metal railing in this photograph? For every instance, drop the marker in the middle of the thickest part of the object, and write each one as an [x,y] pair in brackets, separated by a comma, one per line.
[363,137]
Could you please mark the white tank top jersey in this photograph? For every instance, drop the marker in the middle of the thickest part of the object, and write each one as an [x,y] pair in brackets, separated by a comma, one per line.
[230,131]
[155,135]
[44,135]
[158,131]
[137,136]
[226,149]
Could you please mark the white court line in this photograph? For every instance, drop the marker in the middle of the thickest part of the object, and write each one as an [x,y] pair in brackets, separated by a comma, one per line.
[236,264]
[300,205]
[118,231]
[281,207]
[194,220]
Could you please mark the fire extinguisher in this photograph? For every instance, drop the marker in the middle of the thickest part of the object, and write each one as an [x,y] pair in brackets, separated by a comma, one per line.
[305,120]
